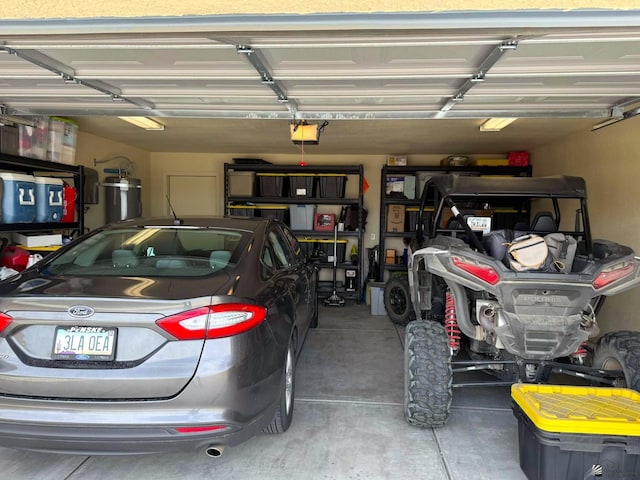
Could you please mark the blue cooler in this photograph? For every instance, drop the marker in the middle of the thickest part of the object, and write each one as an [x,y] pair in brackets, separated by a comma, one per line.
[17,192]
[49,199]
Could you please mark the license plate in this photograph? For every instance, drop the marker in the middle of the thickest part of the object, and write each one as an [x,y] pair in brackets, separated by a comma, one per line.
[84,343]
[482,224]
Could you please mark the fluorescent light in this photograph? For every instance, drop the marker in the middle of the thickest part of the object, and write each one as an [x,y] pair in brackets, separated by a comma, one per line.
[144,122]
[496,124]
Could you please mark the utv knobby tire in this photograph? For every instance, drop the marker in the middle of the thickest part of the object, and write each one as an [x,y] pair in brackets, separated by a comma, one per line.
[397,301]
[428,374]
[620,351]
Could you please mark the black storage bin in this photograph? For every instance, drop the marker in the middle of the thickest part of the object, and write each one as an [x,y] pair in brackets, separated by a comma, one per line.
[271,185]
[326,247]
[242,210]
[332,185]
[564,456]
[302,186]
[279,212]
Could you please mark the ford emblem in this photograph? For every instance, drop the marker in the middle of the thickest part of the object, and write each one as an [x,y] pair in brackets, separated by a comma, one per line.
[81,311]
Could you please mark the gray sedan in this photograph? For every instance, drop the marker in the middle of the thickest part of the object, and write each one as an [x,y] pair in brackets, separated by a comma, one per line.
[154,336]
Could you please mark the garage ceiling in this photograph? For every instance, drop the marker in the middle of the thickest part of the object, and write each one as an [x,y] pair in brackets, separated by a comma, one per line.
[383,90]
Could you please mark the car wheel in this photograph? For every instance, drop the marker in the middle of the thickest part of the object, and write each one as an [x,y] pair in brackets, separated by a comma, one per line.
[397,301]
[284,412]
[620,351]
[428,374]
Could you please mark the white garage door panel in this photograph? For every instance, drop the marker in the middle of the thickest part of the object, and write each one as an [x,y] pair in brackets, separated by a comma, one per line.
[193,194]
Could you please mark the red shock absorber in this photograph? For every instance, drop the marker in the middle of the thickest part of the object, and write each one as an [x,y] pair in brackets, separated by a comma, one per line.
[451,323]
[580,354]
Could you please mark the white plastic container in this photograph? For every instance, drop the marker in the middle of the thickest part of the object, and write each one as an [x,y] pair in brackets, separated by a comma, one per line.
[63,135]
[34,141]
[17,192]
[49,199]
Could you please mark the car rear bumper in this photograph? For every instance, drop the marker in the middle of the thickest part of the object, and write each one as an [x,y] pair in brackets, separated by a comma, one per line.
[238,392]
[118,440]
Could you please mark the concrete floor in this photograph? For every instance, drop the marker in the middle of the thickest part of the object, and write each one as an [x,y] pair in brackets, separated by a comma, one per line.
[348,424]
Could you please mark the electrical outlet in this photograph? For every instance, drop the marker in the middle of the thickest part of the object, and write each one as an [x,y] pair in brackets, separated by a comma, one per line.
[373,236]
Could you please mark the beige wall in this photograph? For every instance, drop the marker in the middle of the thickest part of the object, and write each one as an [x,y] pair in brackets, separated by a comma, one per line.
[90,148]
[608,159]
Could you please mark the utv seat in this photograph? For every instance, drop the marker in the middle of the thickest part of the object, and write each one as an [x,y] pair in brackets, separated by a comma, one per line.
[543,222]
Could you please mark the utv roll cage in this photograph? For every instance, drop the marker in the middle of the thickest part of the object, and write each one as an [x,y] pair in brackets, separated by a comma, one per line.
[447,191]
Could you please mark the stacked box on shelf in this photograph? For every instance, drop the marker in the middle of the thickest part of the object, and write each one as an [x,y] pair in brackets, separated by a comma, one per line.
[279,212]
[301,216]
[566,431]
[9,139]
[332,185]
[271,184]
[62,140]
[327,246]
[308,246]
[242,184]
[34,139]
[18,198]
[301,185]
[242,210]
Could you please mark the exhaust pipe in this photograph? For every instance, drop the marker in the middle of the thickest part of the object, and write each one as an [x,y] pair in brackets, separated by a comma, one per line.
[214,451]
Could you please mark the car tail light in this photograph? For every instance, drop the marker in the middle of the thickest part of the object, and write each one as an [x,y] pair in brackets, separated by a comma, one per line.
[215,321]
[610,275]
[483,272]
[5,320]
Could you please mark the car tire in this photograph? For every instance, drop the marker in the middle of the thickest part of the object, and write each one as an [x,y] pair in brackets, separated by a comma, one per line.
[397,301]
[284,412]
[428,374]
[620,351]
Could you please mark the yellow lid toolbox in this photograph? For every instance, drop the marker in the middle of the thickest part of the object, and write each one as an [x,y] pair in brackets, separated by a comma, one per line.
[575,432]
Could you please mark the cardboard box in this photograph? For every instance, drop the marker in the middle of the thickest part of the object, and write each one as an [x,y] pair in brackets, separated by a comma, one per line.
[395,218]
[397,160]
[29,240]
[390,256]
[395,185]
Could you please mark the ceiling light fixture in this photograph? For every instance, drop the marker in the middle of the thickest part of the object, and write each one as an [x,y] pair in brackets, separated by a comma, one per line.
[144,122]
[496,124]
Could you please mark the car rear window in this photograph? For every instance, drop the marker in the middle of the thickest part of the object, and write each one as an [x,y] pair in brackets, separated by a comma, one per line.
[151,251]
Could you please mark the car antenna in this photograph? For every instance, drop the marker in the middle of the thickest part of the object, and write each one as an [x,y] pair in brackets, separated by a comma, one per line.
[176,220]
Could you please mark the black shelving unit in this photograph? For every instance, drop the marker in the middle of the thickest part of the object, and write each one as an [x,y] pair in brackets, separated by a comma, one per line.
[15,163]
[402,171]
[354,170]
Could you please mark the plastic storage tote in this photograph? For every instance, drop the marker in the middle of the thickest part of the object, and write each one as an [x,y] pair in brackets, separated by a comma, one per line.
[280,212]
[242,210]
[18,198]
[332,185]
[301,216]
[49,199]
[271,184]
[326,247]
[566,431]
[63,135]
[34,140]
[301,185]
